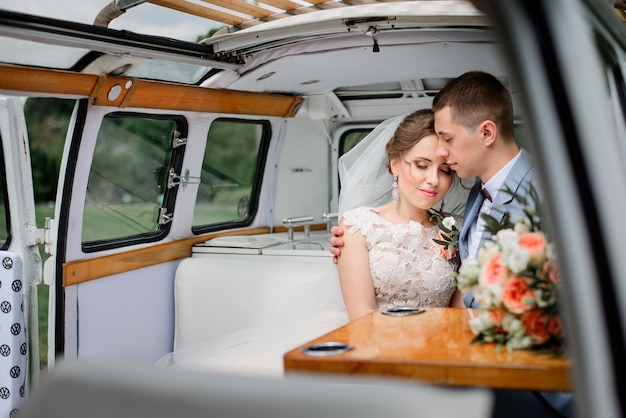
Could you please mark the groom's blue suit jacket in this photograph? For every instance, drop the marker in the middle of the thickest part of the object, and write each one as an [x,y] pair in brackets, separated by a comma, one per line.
[521,176]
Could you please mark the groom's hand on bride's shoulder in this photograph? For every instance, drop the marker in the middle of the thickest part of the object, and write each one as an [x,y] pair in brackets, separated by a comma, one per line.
[336,242]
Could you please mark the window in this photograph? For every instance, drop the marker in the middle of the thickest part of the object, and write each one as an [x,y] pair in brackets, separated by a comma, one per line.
[350,138]
[127,190]
[232,168]
[347,141]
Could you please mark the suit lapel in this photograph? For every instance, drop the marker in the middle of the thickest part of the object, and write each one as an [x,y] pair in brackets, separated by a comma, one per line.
[502,203]
[514,181]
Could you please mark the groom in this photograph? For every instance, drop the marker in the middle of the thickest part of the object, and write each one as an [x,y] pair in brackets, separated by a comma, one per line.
[474,122]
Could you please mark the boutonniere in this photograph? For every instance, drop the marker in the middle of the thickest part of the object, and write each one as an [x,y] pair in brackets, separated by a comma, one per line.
[448,237]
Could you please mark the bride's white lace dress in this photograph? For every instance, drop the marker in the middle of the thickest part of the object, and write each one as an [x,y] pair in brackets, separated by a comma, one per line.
[407,267]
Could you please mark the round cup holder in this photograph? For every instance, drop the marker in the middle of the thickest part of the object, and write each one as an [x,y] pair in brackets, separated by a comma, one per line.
[403,311]
[326,349]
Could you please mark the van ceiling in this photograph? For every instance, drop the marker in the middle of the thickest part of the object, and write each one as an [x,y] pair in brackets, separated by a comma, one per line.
[348,65]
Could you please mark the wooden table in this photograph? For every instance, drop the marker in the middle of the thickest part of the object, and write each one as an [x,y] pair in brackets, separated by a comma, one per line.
[432,347]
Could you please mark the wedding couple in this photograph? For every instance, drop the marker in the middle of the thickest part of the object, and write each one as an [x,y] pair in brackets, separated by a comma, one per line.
[468,133]
[389,257]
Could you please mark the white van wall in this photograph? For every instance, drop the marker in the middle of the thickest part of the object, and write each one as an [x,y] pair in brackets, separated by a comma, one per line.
[302,187]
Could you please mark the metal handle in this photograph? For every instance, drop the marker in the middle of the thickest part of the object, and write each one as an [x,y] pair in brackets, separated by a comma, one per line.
[291,223]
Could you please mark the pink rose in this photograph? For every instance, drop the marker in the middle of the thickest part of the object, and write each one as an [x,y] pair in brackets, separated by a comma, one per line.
[494,272]
[535,244]
[515,290]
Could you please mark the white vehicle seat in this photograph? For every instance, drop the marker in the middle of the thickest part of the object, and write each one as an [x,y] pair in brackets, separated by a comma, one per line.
[258,306]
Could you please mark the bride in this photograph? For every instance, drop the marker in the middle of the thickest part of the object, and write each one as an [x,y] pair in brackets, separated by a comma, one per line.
[405,265]
[389,258]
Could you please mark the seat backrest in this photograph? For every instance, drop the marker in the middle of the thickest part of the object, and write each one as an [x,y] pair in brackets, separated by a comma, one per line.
[218,294]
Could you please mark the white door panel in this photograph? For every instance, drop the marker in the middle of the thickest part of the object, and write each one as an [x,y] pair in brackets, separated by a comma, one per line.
[13,347]
[20,262]
[128,316]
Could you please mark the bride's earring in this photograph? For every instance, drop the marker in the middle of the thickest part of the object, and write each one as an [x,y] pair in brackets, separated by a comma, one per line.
[394,191]
[442,206]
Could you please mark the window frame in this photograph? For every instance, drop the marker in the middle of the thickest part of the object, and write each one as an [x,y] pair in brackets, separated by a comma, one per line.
[169,198]
[256,184]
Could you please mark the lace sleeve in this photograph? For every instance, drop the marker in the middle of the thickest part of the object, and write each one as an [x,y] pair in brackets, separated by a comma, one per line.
[358,219]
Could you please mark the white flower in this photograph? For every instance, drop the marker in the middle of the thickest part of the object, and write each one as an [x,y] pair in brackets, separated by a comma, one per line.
[522,226]
[516,259]
[469,272]
[519,342]
[489,295]
[488,249]
[507,238]
[448,222]
[481,324]
[511,323]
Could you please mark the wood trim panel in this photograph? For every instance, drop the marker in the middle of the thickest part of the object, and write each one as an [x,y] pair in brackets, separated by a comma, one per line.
[177,97]
[242,7]
[45,81]
[95,268]
[313,227]
[146,94]
[253,14]
[285,5]
[201,11]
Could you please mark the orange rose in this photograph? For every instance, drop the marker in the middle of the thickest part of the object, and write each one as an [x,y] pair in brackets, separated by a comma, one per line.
[515,291]
[534,323]
[494,272]
[555,326]
[535,244]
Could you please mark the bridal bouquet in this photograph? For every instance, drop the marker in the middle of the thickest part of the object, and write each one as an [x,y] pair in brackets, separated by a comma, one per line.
[515,279]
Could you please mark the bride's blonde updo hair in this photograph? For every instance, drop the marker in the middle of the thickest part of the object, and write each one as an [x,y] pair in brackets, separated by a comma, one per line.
[414,127]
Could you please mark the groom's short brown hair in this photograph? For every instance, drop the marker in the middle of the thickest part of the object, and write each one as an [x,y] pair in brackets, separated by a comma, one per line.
[477,96]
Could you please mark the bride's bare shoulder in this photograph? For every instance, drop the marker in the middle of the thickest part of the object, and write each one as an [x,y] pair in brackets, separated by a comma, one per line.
[386,211]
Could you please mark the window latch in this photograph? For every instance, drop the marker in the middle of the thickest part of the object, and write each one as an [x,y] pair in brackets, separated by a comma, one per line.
[165,217]
[174,179]
[177,141]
